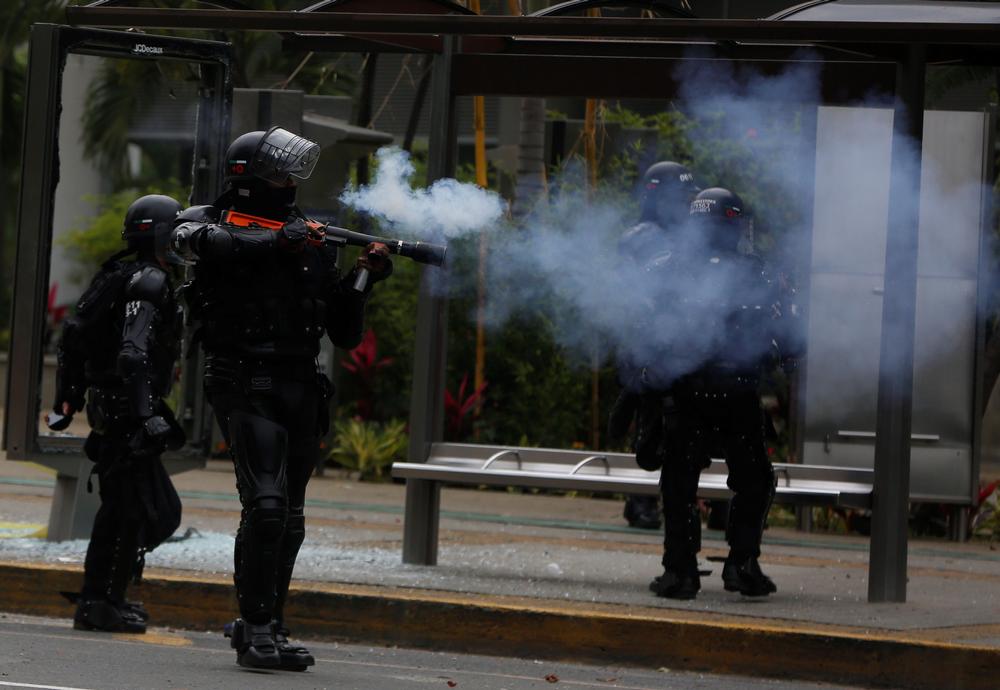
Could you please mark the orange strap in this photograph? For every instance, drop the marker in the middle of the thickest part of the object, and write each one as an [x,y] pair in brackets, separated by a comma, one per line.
[245,220]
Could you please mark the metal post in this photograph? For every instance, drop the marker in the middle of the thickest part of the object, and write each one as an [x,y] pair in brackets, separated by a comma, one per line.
[39,175]
[212,135]
[797,387]
[420,529]
[365,109]
[890,507]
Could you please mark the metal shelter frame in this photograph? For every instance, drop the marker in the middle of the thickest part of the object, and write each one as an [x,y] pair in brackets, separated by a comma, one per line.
[632,57]
[72,507]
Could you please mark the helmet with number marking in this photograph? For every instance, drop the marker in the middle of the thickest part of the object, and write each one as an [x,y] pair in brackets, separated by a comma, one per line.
[667,189]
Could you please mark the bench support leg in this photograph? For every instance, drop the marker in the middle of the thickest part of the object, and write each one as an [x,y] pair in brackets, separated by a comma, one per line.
[958,524]
[804,518]
[73,509]
[420,522]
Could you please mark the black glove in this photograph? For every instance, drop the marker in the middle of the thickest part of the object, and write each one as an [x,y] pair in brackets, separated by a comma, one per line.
[57,421]
[67,391]
[293,235]
[151,438]
[375,259]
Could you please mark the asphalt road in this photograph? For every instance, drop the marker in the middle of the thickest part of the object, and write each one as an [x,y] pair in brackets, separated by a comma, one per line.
[48,654]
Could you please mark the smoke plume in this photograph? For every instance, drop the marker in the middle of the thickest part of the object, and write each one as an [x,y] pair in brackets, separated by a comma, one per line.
[448,209]
[657,311]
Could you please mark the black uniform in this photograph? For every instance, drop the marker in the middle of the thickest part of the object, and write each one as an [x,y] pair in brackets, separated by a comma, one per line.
[665,196]
[720,320]
[118,350]
[263,298]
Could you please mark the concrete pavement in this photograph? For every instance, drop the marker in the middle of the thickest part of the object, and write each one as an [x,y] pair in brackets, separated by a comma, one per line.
[46,653]
[561,576]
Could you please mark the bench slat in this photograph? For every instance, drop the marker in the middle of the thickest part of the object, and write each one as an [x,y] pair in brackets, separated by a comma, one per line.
[817,492]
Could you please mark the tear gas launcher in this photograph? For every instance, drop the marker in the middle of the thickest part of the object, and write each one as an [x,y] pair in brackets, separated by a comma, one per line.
[320,233]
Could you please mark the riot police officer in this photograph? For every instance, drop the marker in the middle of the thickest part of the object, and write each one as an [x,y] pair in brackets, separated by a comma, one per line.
[116,358]
[266,287]
[666,190]
[721,322]
[665,194]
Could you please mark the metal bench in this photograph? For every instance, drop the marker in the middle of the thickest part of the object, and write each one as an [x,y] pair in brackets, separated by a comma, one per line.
[470,464]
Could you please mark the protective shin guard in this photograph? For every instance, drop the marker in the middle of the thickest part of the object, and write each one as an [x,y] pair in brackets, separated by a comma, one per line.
[682,539]
[295,534]
[748,516]
[259,448]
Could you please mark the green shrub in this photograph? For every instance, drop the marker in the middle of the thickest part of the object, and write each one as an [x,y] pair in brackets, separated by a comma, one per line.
[368,448]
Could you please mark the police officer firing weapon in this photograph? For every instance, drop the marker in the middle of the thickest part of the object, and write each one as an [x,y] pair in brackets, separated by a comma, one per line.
[266,288]
[721,321]
[116,358]
[666,190]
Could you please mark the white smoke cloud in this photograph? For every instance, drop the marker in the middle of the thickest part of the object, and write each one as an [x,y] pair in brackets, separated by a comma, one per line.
[563,261]
[448,209]
[656,310]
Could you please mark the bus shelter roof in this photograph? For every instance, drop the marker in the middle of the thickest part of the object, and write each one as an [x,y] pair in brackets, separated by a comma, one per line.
[595,56]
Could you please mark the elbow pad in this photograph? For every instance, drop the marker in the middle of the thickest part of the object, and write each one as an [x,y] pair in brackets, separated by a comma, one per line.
[194,241]
[184,241]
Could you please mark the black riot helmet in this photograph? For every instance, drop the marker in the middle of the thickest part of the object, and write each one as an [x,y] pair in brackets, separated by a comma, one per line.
[667,189]
[273,156]
[149,223]
[261,169]
[721,216]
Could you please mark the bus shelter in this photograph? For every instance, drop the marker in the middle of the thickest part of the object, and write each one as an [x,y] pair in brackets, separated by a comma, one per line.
[599,57]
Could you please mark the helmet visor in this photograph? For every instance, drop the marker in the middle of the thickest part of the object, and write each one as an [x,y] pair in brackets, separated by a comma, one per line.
[282,154]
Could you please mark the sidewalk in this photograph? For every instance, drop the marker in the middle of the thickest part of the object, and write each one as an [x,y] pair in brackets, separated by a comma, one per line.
[571,567]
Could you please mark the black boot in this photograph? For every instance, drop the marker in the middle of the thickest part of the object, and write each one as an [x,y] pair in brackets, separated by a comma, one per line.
[294,657]
[676,585]
[134,607]
[105,616]
[137,609]
[254,644]
[642,511]
[743,575]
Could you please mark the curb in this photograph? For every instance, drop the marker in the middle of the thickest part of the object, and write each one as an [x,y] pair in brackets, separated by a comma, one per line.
[535,629]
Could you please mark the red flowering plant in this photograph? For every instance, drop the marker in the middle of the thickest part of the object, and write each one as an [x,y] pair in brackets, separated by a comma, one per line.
[365,364]
[458,406]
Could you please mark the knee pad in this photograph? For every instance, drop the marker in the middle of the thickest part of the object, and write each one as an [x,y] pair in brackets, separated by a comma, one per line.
[266,521]
[259,448]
